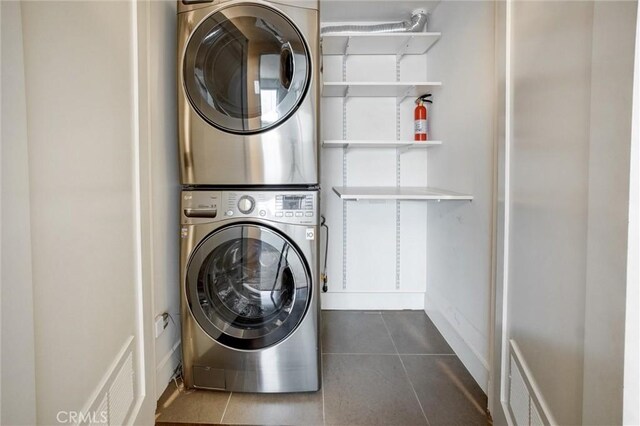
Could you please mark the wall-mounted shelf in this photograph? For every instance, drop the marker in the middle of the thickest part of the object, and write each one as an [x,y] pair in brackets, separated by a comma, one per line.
[397,193]
[379,144]
[344,89]
[378,44]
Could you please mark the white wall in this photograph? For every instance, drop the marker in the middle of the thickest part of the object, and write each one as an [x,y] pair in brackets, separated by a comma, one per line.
[549,179]
[612,60]
[81,201]
[165,182]
[18,352]
[568,172]
[631,408]
[459,248]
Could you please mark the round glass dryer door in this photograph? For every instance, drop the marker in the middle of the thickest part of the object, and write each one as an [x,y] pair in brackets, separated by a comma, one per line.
[246,69]
[247,286]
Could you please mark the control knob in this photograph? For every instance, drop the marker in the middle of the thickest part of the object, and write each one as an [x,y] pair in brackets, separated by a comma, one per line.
[246,204]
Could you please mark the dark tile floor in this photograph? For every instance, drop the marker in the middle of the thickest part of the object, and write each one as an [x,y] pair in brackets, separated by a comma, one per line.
[390,367]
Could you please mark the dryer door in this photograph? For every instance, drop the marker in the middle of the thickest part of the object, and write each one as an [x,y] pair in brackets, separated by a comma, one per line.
[247,286]
[246,68]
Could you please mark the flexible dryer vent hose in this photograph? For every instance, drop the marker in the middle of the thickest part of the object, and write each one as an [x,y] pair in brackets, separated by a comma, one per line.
[415,24]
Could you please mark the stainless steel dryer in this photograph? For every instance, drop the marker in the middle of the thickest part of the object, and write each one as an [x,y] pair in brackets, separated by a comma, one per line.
[249,297]
[248,92]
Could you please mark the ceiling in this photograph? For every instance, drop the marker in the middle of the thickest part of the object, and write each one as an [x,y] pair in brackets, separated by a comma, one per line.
[370,10]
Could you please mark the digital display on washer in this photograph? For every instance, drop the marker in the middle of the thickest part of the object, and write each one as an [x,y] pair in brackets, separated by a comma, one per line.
[293,202]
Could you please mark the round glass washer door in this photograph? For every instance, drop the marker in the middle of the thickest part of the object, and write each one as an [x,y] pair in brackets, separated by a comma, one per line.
[246,69]
[247,286]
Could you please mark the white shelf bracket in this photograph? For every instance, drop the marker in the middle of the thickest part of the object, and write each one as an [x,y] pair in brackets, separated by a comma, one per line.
[403,148]
[404,96]
[404,48]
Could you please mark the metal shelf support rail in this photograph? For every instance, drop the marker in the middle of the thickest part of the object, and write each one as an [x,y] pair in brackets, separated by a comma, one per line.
[398,175]
[344,171]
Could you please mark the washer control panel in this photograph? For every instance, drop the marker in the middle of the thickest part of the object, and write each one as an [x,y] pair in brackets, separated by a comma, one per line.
[295,207]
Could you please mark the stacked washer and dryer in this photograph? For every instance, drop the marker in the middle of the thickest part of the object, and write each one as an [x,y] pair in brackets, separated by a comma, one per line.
[248,109]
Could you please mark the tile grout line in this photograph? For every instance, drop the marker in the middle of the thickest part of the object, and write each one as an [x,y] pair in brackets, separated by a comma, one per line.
[390,336]
[383,354]
[358,353]
[406,373]
[225,407]
[428,354]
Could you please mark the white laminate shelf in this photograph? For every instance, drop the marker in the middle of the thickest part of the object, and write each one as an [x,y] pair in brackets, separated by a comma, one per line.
[344,89]
[379,144]
[378,43]
[397,193]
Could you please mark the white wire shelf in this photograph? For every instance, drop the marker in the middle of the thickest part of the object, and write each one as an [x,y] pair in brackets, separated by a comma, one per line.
[379,144]
[378,44]
[397,193]
[343,89]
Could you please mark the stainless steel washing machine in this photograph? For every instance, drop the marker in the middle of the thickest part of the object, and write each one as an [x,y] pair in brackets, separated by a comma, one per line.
[248,92]
[249,297]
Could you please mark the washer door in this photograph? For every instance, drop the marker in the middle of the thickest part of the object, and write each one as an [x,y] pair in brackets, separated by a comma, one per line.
[247,286]
[246,69]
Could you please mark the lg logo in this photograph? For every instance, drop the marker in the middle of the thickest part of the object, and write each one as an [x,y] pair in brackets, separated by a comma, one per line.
[311,234]
[76,417]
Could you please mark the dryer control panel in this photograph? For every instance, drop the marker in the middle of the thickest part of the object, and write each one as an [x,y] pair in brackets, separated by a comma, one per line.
[294,207]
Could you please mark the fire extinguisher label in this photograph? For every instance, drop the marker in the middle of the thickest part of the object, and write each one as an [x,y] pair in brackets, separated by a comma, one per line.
[421,126]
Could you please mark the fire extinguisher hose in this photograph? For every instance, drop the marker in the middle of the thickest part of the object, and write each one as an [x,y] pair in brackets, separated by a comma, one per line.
[424,98]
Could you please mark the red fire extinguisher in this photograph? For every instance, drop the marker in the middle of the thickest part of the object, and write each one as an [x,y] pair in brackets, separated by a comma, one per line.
[420,117]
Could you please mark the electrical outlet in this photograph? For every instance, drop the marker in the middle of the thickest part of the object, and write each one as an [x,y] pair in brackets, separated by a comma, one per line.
[162,321]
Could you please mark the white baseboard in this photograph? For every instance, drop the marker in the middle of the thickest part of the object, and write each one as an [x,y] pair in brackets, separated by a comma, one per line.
[166,367]
[470,345]
[372,301]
